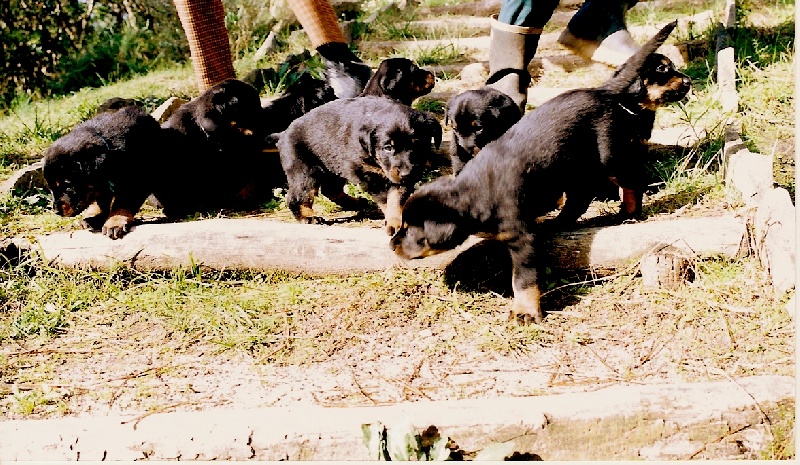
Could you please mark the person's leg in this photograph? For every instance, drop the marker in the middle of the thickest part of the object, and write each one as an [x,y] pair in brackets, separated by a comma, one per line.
[204,24]
[515,37]
[345,72]
[598,32]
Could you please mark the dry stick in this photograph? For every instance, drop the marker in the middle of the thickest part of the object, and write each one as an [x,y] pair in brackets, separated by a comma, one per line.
[162,410]
[361,389]
[701,449]
[755,402]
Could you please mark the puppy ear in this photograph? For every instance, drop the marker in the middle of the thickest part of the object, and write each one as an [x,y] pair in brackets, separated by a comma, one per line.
[439,232]
[389,81]
[366,136]
[637,88]
[432,127]
[629,71]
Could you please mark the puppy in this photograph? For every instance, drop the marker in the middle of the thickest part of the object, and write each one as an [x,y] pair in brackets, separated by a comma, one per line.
[114,104]
[300,97]
[399,79]
[216,162]
[569,144]
[103,165]
[478,117]
[377,143]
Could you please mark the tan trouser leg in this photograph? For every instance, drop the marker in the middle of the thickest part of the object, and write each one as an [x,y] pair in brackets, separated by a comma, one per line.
[204,24]
[318,20]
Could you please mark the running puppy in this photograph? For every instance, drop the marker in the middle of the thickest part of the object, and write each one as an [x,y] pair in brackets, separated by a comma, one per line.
[569,144]
[103,167]
[478,117]
[399,79]
[377,143]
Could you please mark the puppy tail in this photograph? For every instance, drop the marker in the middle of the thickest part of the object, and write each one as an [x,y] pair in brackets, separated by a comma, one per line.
[630,70]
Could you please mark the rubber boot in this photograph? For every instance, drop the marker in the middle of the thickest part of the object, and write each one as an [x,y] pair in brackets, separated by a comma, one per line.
[345,72]
[510,50]
[597,32]
[204,24]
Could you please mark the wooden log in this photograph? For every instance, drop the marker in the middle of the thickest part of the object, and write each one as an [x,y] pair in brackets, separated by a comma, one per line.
[311,432]
[774,238]
[750,174]
[27,178]
[251,243]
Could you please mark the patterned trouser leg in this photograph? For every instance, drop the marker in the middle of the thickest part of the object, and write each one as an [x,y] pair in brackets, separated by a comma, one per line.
[204,24]
[318,20]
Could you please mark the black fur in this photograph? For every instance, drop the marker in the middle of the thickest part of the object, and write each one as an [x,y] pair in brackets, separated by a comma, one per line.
[374,142]
[399,79]
[216,157]
[569,144]
[302,96]
[105,163]
[478,117]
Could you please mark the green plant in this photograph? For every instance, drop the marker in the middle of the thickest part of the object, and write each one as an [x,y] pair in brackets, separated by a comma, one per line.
[402,442]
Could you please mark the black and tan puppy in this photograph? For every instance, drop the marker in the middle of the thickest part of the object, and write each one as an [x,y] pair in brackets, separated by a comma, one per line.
[569,144]
[478,116]
[377,143]
[215,153]
[399,79]
[300,97]
[103,166]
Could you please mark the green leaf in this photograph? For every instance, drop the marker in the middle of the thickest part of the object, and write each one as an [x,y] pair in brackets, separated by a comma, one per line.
[439,450]
[373,439]
[496,452]
[403,442]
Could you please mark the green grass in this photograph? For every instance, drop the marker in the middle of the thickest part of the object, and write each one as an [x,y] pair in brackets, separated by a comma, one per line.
[599,330]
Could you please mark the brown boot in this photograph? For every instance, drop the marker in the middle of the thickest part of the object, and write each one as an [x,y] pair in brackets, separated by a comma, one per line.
[510,51]
[597,32]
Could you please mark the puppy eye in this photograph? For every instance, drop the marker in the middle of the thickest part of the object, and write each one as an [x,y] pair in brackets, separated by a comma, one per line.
[662,69]
[388,148]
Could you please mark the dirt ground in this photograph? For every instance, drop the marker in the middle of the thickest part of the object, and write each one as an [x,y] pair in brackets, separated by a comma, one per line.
[614,333]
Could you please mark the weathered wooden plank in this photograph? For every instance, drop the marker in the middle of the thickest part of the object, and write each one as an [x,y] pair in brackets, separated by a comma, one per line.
[312,432]
[251,243]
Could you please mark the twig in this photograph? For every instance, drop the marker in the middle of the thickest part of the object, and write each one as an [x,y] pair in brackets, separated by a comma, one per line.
[361,389]
[698,451]
[755,402]
[161,410]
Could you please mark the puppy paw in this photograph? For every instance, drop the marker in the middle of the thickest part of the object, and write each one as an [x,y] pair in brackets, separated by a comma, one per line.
[526,309]
[315,220]
[392,225]
[524,319]
[116,226]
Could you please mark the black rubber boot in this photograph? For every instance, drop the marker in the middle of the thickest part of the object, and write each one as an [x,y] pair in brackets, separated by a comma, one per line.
[344,71]
[597,32]
[510,51]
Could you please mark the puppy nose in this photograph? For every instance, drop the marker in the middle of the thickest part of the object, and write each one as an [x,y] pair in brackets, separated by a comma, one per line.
[687,81]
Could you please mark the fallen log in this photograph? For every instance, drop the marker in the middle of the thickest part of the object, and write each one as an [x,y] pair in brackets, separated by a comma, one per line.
[252,243]
[311,432]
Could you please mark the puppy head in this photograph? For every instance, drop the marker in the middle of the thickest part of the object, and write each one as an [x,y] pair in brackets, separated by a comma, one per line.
[399,145]
[480,116]
[72,168]
[661,82]
[429,225]
[229,109]
[400,79]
